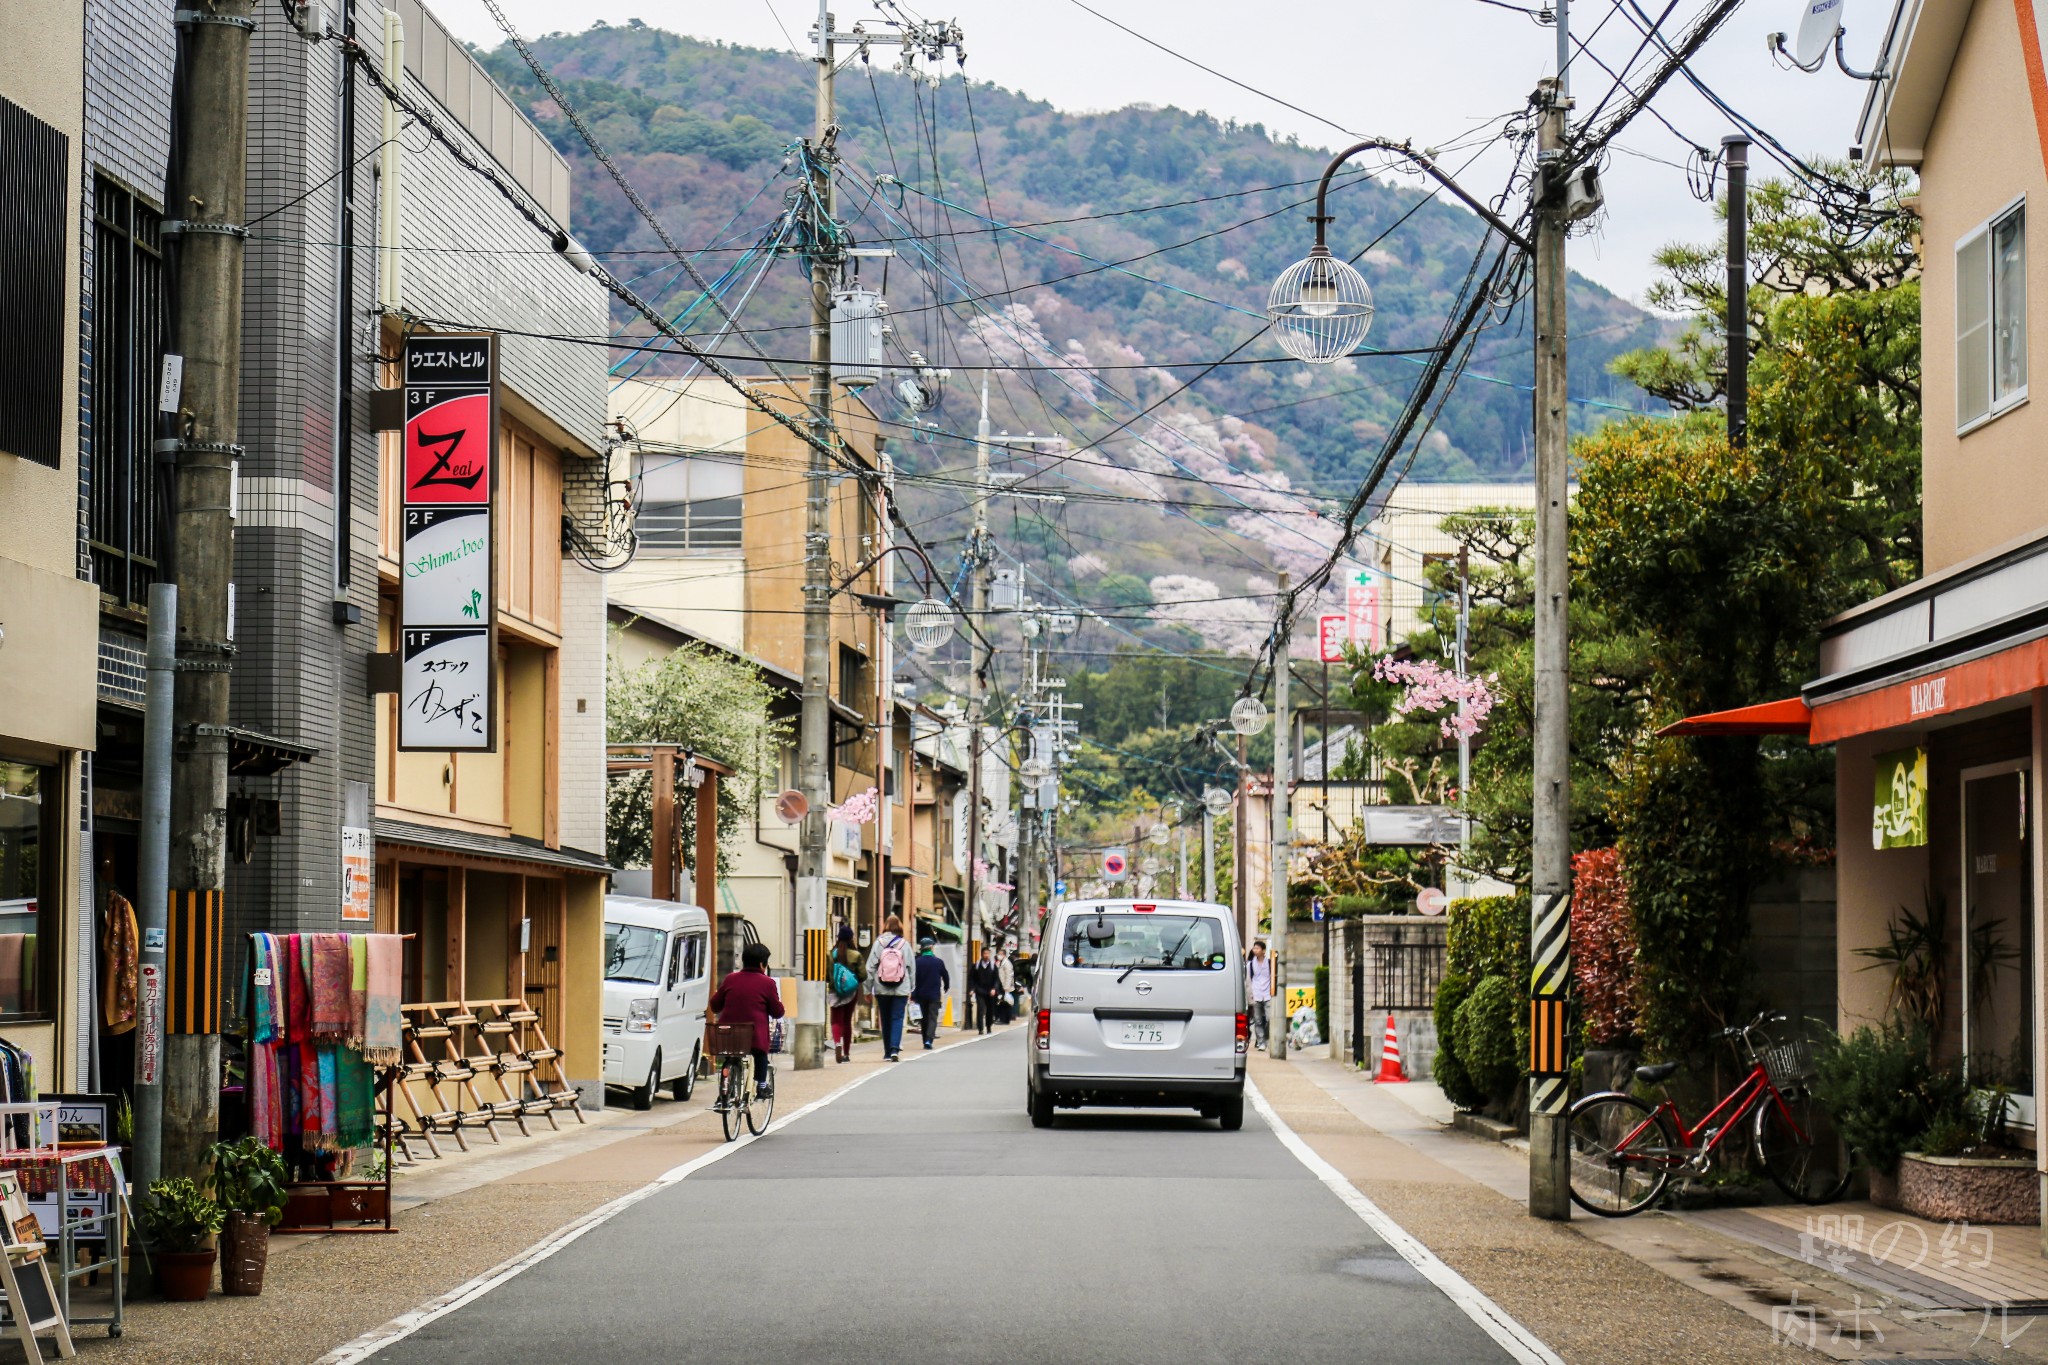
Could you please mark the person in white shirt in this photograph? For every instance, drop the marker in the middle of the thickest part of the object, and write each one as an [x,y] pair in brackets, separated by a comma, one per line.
[1258,974]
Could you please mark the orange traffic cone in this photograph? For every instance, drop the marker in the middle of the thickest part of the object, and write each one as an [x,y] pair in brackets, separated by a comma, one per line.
[1390,1056]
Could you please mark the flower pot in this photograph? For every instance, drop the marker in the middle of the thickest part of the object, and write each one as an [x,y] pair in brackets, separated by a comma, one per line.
[1956,1189]
[244,1252]
[184,1276]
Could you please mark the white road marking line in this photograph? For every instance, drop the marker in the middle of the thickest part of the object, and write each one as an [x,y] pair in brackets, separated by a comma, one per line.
[405,1324]
[1517,1340]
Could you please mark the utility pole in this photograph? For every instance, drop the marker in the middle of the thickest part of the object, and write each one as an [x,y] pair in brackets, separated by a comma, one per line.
[1464,739]
[1551,865]
[1283,734]
[815,720]
[1735,148]
[206,208]
[153,879]
[1208,856]
[977,673]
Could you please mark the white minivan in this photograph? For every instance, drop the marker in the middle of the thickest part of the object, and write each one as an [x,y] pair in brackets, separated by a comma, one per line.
[657,986]
[1140,1004]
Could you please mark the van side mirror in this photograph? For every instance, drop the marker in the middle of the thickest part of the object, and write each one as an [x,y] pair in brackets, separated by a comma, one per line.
[1101,931]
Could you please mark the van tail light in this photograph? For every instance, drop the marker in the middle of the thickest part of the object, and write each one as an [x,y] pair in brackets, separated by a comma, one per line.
[1244,1032]
[1045,1030]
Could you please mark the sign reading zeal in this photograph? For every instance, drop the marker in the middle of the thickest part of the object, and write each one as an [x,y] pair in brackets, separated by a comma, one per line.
[447,647]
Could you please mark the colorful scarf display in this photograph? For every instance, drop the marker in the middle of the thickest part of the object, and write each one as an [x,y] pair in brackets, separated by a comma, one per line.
[324,1016]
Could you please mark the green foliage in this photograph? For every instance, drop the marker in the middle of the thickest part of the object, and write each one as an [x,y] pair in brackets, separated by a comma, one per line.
[710,703]
[1885,1093]
[176,1215]
[1487,936]
[1322,1001]
[247,1177]
[1485,1032]
[1914,953]
[1457,1083]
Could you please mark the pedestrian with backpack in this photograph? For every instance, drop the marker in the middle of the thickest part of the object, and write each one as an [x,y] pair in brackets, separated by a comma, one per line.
[845,973]
[891,977]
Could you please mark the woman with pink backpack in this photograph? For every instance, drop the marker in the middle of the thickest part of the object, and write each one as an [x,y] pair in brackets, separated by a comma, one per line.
[892,974]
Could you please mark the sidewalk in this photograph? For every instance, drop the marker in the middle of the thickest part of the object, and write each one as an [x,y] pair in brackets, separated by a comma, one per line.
[1750,1285]
[456,1220]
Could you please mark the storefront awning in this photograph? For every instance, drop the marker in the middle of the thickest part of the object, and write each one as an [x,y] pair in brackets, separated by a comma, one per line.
[464,843]
[1929,695]
[1791,716]
[941,930]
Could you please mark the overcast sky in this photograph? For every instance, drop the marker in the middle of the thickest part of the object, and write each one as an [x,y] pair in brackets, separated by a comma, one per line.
[1430,70]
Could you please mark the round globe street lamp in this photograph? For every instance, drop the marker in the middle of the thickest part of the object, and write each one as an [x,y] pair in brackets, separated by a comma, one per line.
[1158,834]
[1321,308]
[928,624]
[1248,716]
[1216,800]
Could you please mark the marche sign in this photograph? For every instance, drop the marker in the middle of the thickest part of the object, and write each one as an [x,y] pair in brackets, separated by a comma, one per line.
[1362,608]
[447,639]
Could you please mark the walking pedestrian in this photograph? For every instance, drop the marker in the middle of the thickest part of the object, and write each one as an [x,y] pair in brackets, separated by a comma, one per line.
[846,972]
[1006,979]
[933,981]
[891,976]
[1258,971]
[986,985]
[750,996]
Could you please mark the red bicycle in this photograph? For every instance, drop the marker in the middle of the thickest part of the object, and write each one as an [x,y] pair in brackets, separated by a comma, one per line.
[1623,1152]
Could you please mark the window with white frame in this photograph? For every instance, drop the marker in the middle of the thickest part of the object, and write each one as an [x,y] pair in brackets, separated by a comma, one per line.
[1991,317]
[690,503]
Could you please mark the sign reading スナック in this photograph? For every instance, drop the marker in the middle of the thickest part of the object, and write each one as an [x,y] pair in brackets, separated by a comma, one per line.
[1898,813]
[447,647]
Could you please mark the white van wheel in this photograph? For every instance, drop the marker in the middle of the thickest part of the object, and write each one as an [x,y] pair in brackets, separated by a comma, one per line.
[1231,1113]
[643,1096]
[684,1085]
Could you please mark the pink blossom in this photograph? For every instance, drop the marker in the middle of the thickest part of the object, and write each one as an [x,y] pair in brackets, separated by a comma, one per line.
[858,809]
[1430,689]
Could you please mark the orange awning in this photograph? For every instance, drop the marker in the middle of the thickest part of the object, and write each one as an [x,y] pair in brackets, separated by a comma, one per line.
[1788,717]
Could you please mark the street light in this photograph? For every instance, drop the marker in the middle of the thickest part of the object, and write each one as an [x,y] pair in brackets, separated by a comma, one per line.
[1321,308]
[1248,716]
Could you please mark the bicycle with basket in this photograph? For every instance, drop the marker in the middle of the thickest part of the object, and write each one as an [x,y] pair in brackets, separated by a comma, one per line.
[740,1100]
[1623,1151]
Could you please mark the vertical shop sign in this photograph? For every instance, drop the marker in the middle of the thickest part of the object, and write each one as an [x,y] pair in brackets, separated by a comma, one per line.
[1362,607]
[358,874]
[447,648]
[1898,816]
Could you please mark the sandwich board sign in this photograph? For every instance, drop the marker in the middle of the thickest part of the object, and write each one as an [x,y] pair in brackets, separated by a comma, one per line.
[447,613]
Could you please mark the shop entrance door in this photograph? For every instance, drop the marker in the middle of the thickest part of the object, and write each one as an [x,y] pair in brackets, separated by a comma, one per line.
[1998,932]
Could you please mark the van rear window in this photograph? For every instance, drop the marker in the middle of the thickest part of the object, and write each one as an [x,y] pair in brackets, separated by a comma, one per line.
[1160,942]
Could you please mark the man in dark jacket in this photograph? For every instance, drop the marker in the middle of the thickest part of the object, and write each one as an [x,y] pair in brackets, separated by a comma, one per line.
[933,982]
[986,985]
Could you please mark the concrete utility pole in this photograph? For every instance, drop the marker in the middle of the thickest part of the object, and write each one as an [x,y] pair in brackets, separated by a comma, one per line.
[1283,732]
[814,742]
[1735,148]
[1464,740]
[1208,856]
[153,879]
[977,675]
[1551,870]
[206,206]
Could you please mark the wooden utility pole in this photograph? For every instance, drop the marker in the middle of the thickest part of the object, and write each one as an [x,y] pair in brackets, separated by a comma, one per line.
[204,218]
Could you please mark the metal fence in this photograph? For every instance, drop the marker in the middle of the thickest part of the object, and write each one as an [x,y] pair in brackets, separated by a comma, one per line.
[1403,965]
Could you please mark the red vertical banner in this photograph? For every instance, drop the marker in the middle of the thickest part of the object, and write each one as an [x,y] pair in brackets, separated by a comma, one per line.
[447,641]
[1362,608]
[1332,634]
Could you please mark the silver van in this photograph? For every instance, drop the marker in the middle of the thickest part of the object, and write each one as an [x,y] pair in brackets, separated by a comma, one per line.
[1141,1005]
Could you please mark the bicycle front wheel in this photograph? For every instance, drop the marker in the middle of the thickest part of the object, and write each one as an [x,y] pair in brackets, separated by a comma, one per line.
[1621,1154]
[1800,1148]
[759,1111]
[732,1092]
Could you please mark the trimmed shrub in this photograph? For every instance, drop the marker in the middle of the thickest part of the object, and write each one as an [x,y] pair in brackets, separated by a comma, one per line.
[1450,1072]
[1485,1029]
[1488,936]
[1885,1094]
[1603,947]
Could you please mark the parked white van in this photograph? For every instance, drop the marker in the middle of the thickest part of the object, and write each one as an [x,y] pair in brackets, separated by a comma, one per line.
[1140,1004]
[657,985]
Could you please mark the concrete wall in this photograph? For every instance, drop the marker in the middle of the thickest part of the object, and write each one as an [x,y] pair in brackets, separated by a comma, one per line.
[1984,150]
[1792,943]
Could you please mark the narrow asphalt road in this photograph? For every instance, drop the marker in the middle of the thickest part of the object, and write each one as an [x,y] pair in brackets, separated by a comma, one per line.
[920,1217]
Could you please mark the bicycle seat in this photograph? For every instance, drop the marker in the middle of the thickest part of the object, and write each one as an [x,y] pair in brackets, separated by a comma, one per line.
[1662,1071]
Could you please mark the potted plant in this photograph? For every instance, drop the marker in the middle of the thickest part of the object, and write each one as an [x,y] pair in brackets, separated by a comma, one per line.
[249,1184]
[177,1221]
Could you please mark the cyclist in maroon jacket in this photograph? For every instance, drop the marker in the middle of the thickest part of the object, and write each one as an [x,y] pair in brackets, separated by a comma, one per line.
[750,996]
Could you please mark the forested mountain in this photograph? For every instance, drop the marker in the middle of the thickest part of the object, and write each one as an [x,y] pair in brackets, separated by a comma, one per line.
[1150,238]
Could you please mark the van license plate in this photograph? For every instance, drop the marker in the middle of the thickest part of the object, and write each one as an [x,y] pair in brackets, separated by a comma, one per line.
[1143,1034]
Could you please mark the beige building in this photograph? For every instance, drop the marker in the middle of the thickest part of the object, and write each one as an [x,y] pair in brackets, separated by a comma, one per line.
[1407,538]
[49,610]
[1936,696]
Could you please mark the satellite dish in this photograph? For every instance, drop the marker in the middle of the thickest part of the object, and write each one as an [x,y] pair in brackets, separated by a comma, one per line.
[1248,716]
[1817,28]
[929,625]
[1216,800]
[791,807]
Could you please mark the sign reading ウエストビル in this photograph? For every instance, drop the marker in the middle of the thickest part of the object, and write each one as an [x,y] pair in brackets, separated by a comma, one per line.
[447,645]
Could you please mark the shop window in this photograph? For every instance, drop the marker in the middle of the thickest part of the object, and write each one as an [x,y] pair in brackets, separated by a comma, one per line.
[35,162]
[1991,318]
[127,349]
[688,504]
[29,845]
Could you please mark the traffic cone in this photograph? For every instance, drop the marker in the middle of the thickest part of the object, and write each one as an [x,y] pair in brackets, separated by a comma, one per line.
[1390,1056]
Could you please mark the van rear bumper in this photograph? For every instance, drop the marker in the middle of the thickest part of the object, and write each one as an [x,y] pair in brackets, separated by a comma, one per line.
[1135,1092]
